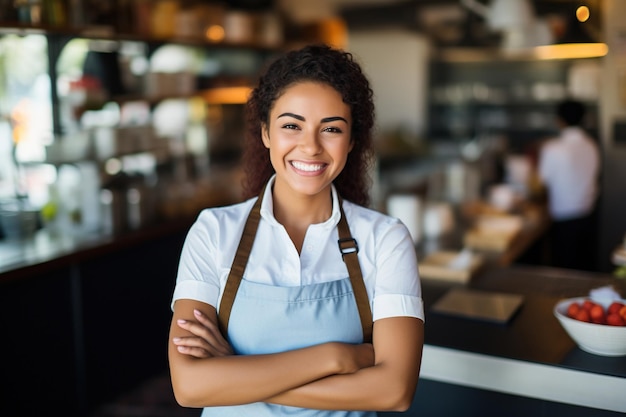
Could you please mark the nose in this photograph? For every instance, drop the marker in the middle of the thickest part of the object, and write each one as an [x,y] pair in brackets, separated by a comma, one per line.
[310,143]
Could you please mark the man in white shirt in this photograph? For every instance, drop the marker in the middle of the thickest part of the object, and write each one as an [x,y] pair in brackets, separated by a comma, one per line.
[569,167]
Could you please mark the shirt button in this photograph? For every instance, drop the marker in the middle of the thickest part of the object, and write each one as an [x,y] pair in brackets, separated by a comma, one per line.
[309,248]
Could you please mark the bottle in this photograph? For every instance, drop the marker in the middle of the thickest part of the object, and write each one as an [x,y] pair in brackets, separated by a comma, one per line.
[54,13]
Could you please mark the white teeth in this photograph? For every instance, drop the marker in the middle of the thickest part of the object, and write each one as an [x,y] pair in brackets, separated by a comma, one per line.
[306,167]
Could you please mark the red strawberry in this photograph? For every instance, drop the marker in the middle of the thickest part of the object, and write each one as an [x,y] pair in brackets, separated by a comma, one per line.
[615,319]
[573,309]
[583,315]
[622,312]
[597,314]
[587,304]
[615,307]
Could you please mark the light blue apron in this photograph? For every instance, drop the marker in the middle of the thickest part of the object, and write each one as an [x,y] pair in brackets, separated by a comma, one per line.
[269,319]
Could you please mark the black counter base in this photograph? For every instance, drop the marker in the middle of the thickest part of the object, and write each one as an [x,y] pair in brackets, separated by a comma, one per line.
[437,399]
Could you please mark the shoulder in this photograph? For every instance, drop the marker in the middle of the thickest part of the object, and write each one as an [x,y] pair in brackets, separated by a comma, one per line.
[241,209]
[213,220]
[360,215]
[550,150]
[550,145]
[591,143]
[377,227]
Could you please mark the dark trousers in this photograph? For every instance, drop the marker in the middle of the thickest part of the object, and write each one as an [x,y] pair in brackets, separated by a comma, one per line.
[574,243]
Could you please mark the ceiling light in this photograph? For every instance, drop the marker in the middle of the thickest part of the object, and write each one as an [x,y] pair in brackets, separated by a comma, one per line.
[571,51]
[582,13]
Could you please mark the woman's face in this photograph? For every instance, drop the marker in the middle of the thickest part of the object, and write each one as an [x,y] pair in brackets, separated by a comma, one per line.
[308,137]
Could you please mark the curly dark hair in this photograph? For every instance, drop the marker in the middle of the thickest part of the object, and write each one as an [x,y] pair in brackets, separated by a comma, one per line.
[322,64]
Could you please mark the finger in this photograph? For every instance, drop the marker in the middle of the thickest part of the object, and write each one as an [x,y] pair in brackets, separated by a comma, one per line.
[217,346]
[214,329]
[204,319]
[196,346]
[195,328]
[193,351]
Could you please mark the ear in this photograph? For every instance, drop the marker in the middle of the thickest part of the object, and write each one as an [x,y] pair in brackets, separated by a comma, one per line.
[265,135]
[351,146]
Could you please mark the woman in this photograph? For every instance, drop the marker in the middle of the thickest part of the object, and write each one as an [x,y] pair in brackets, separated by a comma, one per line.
[298,324]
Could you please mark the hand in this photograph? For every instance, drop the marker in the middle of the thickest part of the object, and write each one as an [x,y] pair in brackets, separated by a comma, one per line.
[207,341]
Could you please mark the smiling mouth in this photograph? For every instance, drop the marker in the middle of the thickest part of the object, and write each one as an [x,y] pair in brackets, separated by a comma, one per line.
[301,166]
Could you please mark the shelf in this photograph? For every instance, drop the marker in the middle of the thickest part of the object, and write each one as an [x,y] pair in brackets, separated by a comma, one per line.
[108,33]
[506,103]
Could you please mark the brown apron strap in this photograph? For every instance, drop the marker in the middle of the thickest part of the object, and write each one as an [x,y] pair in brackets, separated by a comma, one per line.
[349,249]
[347,246]
[239,265]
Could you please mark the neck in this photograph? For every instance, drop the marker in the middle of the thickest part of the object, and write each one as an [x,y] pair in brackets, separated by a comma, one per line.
[302,211]
[297,212]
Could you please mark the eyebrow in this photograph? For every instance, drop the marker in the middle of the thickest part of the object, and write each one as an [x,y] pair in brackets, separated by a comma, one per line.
[324,120]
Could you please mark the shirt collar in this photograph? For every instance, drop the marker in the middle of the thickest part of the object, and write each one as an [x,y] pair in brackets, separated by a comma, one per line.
[572,132]
[267,206]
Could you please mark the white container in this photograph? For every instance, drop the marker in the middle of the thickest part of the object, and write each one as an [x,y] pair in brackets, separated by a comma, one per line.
[599,339]
[407,208]
[438,219]
[502,196]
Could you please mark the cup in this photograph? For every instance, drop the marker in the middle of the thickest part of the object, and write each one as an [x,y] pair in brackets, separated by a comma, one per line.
[408,209]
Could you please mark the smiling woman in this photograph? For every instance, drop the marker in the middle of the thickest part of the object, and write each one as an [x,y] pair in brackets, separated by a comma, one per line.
[300,298]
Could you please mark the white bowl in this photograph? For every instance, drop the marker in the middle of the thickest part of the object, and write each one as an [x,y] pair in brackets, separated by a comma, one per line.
[599,339]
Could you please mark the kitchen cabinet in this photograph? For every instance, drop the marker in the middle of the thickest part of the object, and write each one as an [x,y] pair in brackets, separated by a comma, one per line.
[476,94]
[83,326]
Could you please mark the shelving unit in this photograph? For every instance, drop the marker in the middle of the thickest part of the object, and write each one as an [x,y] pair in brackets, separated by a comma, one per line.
[488,94]
[58,40]
[214,92]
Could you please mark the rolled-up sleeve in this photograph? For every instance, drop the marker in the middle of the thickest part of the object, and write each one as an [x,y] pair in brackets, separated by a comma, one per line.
[196,290]
[198,276]
[393,305]
[398,289]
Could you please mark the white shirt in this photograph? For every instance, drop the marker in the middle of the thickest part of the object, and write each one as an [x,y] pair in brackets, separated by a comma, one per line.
[386,255]
[569,167]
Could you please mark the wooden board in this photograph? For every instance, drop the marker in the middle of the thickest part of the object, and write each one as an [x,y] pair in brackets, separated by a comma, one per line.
[488,240]
[481,305]
[437,266]
[494,233]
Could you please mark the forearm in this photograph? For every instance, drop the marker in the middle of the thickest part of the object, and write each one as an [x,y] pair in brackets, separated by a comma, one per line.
[238,379]
[389,385]
[368,389]
[216,377]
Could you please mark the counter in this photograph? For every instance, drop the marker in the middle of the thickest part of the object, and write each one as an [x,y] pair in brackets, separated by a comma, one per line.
[65,307]
[46,251]
[531,356]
